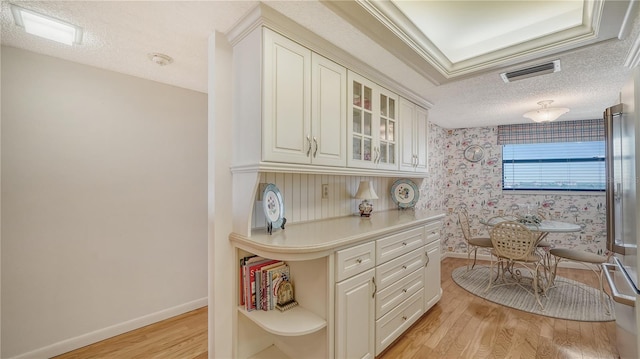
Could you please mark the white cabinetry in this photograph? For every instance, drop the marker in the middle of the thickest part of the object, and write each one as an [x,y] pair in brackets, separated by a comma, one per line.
[432,290]
[359,285]
[355,316]
[355,301]
[304,105]
[400,279]
[328,112]
[372,138]
[414,131]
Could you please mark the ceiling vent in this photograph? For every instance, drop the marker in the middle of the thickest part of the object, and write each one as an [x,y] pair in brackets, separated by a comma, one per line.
[547,68]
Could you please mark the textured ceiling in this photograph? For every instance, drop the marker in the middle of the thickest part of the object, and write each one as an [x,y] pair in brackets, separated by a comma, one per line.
[120,35]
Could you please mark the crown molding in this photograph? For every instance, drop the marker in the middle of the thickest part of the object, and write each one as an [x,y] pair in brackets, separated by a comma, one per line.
[263,15]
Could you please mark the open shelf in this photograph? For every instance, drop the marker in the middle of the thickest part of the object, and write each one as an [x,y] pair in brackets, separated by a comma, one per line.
[293,322]
[271,352]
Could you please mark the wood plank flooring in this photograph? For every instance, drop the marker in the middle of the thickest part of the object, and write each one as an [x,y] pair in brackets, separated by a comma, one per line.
[180,337]
[461,325]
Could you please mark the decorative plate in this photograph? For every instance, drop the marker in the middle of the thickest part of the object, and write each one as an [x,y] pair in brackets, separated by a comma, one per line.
[404,193]
[474,153]
[273,205]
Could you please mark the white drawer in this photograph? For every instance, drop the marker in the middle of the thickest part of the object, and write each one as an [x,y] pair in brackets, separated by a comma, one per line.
[432,231]
[396,269]
[392,325]
[398,292]
[398,244]
[355,260]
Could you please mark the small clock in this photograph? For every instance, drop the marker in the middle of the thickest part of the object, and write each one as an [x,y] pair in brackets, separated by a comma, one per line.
[474,153]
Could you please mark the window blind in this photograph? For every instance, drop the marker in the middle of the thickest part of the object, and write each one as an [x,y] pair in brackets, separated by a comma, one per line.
[554,166]
[561,131]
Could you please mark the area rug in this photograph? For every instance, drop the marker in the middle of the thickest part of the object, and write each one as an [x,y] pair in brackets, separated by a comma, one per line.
[567,300]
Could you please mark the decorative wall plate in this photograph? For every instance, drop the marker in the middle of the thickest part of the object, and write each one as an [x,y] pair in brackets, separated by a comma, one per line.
[404,193]
[474,153]
[273,207]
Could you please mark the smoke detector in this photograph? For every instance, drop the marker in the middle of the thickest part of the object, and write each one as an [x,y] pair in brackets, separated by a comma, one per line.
[160,59]
[537,70]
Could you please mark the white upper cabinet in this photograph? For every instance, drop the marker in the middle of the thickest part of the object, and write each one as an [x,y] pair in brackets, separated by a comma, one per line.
[328,112]
[414,131]
[304,101]
[297,111]
[286,100]
[372,126]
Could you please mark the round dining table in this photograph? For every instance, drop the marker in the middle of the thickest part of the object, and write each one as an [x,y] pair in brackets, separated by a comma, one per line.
[543,228]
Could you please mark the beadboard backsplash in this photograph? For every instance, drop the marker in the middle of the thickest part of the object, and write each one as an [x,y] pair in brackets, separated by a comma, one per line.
[302,196]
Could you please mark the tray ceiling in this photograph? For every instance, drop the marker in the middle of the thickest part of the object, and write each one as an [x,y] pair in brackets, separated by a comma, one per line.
[449,53]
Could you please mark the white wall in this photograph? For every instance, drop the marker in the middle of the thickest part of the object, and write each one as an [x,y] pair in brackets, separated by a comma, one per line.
[104,203]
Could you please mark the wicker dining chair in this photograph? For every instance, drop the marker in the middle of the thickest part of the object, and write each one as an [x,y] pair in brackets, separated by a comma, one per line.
[473,243]
[514,245]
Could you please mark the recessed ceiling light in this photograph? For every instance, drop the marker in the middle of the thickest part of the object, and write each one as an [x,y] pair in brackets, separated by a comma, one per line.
[46,26]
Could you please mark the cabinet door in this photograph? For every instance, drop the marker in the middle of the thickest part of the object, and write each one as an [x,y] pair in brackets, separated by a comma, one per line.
[360,122]
[421,140]
[387,125]
[414,132]
[355,317]
[329,112]
[286,127]
[432,292]
[407,134]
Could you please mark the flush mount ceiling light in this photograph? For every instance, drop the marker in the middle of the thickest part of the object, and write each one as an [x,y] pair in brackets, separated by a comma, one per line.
[46,26]
[546,113]
[160,59]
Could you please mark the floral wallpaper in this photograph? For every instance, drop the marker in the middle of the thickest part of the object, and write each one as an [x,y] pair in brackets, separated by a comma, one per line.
[477,186]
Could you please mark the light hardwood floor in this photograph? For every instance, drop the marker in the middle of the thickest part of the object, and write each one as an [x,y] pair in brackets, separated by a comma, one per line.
[461,325]
[180,337]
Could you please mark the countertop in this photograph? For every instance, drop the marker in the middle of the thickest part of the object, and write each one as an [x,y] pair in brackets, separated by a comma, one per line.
[316,239]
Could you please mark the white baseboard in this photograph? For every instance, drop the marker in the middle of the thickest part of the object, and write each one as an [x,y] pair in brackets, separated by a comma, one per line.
[486,257]
[111,331]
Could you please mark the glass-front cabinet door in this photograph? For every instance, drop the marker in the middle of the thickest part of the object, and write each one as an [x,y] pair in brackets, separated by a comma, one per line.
[361,122]
[372,125]
[388,124]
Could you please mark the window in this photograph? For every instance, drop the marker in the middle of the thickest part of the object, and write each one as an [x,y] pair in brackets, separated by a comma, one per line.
[570,166]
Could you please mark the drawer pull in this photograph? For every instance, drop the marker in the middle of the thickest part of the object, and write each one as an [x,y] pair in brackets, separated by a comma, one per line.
[404,290]
[375,287]
[404,317]
[404,267]
[359,260]
[426,254]
[404,243]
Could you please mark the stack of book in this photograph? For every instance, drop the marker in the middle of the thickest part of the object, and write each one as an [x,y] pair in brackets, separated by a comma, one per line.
[259,281]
